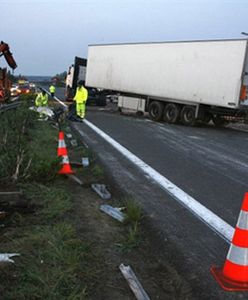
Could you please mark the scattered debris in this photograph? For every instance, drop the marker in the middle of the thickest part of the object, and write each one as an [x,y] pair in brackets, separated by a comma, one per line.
[133,282]
[113,212]
[75,178]
[101,190]
[54,126]
[69,135]
[85,161]
[11,193]
[121,208]
[74,143]
[5,257]
[46,111]
[43,110]
[85,145]
[43,119]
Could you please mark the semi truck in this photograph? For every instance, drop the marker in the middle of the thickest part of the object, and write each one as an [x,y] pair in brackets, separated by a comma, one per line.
[186,81]
[76,73]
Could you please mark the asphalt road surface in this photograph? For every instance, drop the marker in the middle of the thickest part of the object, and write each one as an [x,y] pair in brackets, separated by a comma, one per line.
[207,163]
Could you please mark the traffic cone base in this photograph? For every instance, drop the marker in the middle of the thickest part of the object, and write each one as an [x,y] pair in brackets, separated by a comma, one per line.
[227,284]
[66,168]
[233,276]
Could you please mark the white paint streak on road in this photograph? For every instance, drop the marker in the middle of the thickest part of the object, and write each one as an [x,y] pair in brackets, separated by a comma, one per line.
[222,228]
[57,99]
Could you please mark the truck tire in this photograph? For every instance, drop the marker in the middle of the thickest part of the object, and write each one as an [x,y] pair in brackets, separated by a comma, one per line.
[171,113]
[188,115]
[155,110]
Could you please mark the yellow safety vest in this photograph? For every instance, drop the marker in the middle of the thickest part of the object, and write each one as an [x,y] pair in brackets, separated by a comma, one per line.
[81,95]
[41,100]
[52,89]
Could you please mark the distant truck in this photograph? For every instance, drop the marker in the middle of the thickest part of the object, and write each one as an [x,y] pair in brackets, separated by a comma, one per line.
[175,81]
[76,73]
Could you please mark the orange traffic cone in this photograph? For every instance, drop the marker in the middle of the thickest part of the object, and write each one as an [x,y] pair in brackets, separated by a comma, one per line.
[61,146]
[66,168]
[234,275]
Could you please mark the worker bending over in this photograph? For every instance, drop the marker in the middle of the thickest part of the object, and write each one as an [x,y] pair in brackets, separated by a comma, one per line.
[52,90]
[81,98]
[41,99]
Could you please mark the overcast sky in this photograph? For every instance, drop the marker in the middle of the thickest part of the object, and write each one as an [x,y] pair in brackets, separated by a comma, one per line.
[46,35]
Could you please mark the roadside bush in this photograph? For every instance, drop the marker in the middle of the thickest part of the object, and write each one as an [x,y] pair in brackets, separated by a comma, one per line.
[14,127]
[23,154]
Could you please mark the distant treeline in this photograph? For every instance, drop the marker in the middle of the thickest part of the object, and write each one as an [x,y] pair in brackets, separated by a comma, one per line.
[58,79]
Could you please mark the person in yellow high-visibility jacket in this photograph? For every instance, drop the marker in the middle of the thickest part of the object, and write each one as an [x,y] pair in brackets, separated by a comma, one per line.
[52,90]
[41,99]
[81,98]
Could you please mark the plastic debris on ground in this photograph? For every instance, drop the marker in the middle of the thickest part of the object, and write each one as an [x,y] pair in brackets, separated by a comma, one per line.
[75,178]
[10,193]
[85,161]
[6,257]
[46,111]
[43,110]
[113,212]
[69,135]
[133,282]
[74,143]
[101,190]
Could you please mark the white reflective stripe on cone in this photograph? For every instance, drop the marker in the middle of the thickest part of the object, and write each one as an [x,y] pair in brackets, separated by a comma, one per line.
[65,159]
[62,144]
[243,220]
[238,255]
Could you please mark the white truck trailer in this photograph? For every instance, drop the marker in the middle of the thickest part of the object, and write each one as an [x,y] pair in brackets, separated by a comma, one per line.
[175,81]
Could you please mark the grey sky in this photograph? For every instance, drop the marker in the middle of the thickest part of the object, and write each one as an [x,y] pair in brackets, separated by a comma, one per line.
[45,35]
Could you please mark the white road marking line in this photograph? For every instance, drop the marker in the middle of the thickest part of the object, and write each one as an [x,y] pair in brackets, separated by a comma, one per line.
[218,225]
[57,99]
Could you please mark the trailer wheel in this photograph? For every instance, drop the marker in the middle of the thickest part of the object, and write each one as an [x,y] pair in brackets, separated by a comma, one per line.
[188,115]
[171,113]
[155,110]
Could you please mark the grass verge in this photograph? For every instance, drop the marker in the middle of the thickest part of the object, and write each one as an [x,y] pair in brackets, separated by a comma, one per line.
[54,262]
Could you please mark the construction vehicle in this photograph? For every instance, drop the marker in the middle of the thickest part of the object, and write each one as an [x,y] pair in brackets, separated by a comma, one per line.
[76,73]
[5,83]
[182,82]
